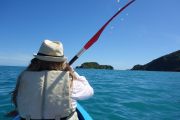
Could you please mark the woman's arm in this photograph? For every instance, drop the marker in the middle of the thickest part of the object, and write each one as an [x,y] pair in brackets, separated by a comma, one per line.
[81,89]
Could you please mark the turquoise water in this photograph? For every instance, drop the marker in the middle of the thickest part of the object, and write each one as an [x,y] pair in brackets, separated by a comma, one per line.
[119,95]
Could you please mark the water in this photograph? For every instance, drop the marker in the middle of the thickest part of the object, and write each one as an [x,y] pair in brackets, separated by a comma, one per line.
[119,95]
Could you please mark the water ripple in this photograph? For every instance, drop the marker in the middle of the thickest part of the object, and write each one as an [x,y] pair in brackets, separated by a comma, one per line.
[119,95]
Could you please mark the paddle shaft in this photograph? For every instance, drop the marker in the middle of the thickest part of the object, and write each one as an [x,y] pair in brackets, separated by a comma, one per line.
[97,35]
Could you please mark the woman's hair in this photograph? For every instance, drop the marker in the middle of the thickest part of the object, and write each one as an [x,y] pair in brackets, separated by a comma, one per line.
[40,65]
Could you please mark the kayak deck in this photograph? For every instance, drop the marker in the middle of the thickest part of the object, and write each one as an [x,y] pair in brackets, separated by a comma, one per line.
[82,114]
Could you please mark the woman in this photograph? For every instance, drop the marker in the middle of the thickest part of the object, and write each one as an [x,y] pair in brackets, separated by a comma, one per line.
[49,87]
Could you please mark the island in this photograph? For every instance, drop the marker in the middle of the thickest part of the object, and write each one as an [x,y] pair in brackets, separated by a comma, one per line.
[94,65]
[169,62]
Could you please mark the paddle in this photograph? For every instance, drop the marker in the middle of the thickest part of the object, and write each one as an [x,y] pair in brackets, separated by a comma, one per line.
[96,36]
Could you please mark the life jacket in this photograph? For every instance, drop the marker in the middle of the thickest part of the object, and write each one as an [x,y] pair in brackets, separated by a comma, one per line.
[44,95]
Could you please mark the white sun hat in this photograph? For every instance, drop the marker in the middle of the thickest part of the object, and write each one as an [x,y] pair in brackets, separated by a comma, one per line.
[51,51]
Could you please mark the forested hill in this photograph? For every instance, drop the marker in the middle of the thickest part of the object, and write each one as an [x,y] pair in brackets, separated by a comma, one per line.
[95,65]
[169,62]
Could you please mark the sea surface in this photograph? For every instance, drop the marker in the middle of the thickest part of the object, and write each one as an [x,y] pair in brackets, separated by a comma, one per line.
[119,95]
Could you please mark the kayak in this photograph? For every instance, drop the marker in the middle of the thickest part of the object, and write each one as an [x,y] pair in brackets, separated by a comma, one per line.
[82,114]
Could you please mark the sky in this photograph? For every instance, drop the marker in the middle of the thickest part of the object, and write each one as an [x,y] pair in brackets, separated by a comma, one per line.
[144,31]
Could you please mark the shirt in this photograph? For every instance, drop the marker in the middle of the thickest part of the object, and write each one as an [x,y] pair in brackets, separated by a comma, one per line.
[81,89]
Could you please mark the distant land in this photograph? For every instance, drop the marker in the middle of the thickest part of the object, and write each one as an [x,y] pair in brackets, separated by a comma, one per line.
[169,62]
[94,65]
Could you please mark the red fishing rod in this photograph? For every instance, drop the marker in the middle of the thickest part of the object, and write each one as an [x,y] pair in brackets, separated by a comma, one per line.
[96,36]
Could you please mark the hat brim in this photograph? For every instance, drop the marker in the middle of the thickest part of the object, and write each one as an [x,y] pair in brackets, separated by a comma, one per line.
[50,58]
